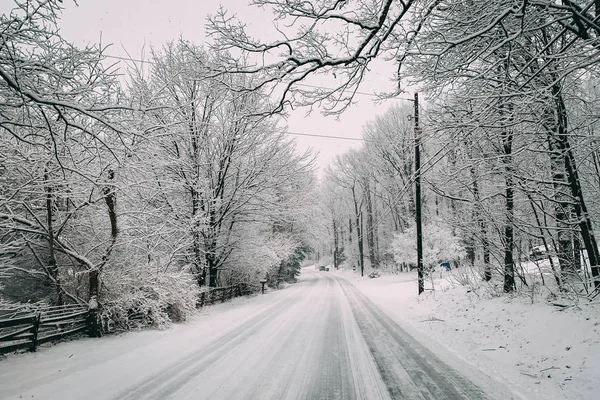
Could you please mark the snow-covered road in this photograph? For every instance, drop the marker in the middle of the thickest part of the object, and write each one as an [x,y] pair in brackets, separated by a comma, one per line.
[318,339]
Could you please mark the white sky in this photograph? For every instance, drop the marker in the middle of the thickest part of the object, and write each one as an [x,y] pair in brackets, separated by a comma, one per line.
[132,24]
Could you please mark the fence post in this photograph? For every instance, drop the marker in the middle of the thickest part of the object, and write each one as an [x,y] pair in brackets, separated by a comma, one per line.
[230,292]
[239,289]
[36,328]
[93,320]
[202,296]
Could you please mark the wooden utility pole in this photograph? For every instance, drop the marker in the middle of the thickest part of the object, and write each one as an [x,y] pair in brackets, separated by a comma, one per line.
[418,197]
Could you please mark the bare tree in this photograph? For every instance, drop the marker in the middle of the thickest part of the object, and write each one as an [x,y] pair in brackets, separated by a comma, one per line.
[63,127]
[221,158]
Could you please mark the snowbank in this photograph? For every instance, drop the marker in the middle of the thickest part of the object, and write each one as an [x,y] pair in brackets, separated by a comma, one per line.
[539,350]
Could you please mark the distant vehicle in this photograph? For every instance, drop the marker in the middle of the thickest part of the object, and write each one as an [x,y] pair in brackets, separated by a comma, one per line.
[322,268]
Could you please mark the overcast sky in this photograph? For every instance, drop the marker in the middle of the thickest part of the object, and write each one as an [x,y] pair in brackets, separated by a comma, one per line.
[131,25]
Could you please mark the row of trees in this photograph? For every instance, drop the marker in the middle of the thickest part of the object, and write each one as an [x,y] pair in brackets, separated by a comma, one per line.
[516,131]
[133,189]
[511,138]
[371,203]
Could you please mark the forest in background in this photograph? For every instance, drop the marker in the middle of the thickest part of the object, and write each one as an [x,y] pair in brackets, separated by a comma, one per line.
[511,171]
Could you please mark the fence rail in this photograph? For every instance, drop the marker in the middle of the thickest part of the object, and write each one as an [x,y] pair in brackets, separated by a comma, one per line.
[222,294]
[18,331]
[29,326]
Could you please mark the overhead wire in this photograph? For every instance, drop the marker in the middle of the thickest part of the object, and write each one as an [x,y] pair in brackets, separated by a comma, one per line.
[427,165]
[304,134]
[318,135]
[374,95]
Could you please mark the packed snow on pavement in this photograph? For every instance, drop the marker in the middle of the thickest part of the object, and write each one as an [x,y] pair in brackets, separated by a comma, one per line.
[541,350]
[318,339]
[322,331]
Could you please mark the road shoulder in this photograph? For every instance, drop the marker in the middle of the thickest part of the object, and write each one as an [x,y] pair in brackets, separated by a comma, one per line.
[461,344]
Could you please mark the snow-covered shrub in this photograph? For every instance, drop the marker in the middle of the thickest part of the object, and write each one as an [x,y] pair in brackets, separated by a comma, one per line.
[143,297]
[438,245]
[471,277]
[374,274]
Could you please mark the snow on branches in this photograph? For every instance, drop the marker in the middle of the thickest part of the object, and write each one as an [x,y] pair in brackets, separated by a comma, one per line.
[438,245]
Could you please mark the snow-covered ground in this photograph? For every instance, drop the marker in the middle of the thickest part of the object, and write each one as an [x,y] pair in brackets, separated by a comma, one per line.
[540,350]
[333,336]
[318,339]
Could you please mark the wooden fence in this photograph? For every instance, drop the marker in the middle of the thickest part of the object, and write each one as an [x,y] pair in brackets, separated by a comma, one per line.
[27,328]
[222,294]
[19,330]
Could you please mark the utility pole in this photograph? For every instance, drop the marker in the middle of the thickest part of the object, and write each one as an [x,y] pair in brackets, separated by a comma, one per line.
[418,196]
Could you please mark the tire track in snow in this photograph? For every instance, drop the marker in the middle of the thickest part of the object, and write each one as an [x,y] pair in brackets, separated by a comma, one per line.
[313,350]
[170,379]
[290,370]
[334,379]
[409,370]
[274,370]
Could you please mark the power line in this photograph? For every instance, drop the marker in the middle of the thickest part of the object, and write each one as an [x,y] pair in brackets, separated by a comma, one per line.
[325,136]
[129,59]
[355,92]
[363,140]
[316,135]
[297,84]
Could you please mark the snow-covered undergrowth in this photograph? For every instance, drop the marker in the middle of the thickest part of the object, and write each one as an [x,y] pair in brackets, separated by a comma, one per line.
[154,299]
[540,346]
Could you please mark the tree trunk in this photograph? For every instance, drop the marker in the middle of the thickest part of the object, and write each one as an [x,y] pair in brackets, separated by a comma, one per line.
[111,203]
[577,251]
[583,216]
[93,322]
[359,239]
[350,230]
[376,219]
[370,226]
[562,205]
[478,217]
[335,245]
[52,266]
[212,258]
[509,270]
[487,275]
[212,269]
[198,261]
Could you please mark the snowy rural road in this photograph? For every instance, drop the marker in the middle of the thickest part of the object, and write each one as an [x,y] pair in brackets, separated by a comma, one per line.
[318,339]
